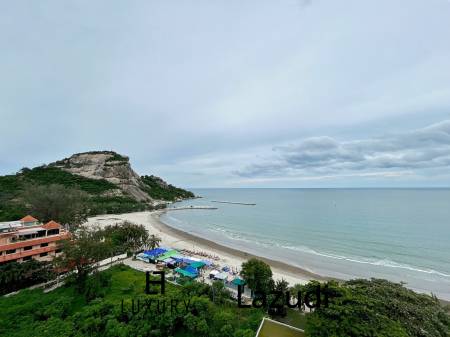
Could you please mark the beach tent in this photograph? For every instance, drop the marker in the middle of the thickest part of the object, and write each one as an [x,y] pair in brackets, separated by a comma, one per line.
[183,259]
[170,262]
[226,268]
[207,262]
[168,254]
[238,281]
[154,253]
[191,269]
[143,257]
[221,276]
[197,264]
[213,273]
[186,273]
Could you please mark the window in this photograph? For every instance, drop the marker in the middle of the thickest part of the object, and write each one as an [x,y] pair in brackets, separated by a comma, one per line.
[44,244]
[43,254]
[28,248]
[26,258]
[53,231]
[59,250]
[10,251]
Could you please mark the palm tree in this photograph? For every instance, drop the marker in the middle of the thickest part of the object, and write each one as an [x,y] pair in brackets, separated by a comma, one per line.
[153,241]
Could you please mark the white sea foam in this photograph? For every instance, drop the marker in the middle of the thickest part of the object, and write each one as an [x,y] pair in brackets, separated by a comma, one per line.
[267,242]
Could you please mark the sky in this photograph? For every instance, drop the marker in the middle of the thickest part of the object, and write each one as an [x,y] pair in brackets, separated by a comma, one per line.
[288,93]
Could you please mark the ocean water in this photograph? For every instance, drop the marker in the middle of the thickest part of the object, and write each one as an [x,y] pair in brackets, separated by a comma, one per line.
[397,234]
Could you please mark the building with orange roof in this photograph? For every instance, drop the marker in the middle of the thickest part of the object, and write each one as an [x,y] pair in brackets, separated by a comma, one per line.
[28,239]
[29,219]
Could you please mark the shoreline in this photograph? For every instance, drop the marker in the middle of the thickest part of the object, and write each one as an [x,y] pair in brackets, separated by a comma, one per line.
[278,267]
[181,240]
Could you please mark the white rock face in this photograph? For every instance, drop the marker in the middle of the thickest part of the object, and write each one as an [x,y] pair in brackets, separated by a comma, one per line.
[109,166]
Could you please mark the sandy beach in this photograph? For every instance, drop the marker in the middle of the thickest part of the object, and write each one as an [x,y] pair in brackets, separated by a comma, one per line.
[178,239]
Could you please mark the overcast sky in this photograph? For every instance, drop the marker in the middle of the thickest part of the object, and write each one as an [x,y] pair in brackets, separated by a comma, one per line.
[290,93]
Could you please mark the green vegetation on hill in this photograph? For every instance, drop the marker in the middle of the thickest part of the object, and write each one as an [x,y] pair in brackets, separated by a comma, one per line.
[116,205]
[117,157]
[114,157]
[52,175]
[10,208]
[156,189]
[101,192]
[12,205]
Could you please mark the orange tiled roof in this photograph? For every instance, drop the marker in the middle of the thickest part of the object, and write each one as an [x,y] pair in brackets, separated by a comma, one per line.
[52,225]
[28,218]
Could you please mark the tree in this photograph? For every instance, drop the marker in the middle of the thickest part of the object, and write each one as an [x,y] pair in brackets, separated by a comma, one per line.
[69,206]
[295,289]
[282,285]
[129,237]
[378,308]
[82,251]
[15,276]
[258,275]
[153,241]
[218,292]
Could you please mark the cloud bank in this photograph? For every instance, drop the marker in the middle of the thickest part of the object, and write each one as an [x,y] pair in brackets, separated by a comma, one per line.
[389,155]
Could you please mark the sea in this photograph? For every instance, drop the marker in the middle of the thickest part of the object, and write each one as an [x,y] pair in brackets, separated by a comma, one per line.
[402,235]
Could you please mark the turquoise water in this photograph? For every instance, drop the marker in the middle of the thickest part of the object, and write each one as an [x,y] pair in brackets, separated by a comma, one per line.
[397,234]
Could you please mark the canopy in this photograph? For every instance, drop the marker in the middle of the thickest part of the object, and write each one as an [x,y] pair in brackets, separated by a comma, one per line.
[168,254]
[185,273]
[214,272]
[155,252]
[142,257]
[170,260]
[238,281]
[197,264]
[221,276]
[191,269]
[183,259]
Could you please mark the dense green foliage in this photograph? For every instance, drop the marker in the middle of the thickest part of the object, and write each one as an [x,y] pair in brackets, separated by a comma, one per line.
[156,190]
[15,276]
[65,312]
[116,205]
[127,237]
[258,275]
[378,308]
[47,202]
[10,208]
[117,157]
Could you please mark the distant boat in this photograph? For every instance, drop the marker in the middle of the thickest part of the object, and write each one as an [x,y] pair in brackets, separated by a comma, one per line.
[233,202]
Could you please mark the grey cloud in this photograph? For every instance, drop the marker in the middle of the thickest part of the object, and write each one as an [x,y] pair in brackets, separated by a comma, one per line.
[428,147]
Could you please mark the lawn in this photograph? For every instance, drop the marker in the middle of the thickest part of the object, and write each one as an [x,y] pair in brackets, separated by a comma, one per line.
[273,329]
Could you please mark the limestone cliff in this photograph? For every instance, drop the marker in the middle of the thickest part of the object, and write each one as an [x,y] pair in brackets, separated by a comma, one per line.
[116,169]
